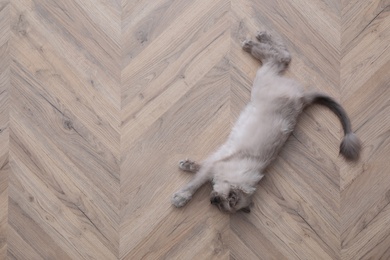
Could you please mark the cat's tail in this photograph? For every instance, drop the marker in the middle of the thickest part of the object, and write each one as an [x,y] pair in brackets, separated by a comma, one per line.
[350,145]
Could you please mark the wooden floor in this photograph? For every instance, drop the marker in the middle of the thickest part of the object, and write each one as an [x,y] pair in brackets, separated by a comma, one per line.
[100,99]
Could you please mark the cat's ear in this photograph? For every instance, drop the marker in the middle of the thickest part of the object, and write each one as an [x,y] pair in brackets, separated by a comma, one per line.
[215,200]
[246,209]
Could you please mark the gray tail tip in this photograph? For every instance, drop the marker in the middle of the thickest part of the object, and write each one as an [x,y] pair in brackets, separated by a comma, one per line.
[350,147]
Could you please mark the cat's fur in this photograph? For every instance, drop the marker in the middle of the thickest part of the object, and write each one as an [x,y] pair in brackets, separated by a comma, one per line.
[260,132]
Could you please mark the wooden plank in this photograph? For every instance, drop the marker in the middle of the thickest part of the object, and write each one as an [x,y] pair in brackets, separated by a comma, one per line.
[99,100]
[4,122]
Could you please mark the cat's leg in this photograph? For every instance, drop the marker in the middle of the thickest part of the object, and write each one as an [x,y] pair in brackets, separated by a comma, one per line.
[260,51]
[180,198]
[275,42]
[269,50]
[264,37]
[189,165]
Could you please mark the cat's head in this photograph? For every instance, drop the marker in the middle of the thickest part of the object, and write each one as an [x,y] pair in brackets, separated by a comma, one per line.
[230,198]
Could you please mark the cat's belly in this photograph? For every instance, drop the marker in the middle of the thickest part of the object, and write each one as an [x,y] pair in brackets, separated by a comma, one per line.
[262,134]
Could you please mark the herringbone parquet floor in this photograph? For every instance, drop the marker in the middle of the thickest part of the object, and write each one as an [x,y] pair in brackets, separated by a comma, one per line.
[100,99]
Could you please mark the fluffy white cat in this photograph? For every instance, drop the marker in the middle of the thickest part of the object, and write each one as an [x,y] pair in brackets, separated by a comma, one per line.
[260,132]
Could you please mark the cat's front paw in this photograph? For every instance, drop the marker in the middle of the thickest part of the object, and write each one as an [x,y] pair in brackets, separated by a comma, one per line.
[188,165]
[180,198]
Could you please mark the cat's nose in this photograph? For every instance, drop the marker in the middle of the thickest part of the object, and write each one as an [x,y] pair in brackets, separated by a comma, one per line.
[215,200]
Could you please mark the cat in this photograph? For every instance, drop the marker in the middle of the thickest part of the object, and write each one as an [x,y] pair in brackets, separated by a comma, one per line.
[260,131]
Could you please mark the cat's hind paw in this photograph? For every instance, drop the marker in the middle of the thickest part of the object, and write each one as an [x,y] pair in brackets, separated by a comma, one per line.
[264,37]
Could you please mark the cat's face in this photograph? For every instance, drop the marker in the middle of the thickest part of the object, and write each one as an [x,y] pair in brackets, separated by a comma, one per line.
[231,200]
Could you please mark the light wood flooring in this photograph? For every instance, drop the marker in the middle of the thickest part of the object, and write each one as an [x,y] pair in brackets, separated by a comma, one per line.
[100,99]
